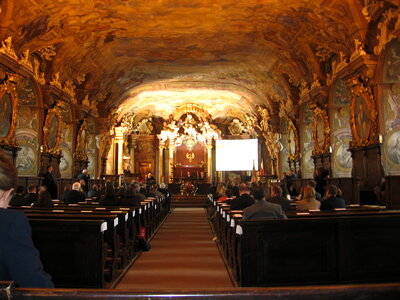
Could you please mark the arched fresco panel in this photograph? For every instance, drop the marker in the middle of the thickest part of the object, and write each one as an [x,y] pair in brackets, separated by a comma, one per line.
[341,131]
[66,146]
[92,155]
[307,143]
[27,137]
[391,107]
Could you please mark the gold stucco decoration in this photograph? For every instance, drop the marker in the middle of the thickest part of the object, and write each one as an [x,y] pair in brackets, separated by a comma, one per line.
[321,130]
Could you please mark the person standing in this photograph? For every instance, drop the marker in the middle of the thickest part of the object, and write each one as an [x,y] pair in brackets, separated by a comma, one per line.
[50,183]
[19,259]
[85,177]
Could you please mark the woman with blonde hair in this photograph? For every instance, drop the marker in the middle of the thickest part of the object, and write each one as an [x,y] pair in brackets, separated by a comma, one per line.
[308,200]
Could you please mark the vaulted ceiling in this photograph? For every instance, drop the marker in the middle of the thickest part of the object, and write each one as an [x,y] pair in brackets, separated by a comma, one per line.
[257,51]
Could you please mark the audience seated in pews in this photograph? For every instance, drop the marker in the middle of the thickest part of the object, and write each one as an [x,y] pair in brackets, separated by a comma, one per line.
[44,200]
[138,192]
[229,196]
[75,195]
[244,200]
[276,197]
[313,184]
[32,196]
[221,192]
[332,201]
[19,259]
[262,209]
[153,192]
[18,199]
[308,200]
[129,198]
[109,198]
[94,192]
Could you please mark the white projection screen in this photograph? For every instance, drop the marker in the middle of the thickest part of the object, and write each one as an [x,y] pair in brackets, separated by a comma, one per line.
[236,155]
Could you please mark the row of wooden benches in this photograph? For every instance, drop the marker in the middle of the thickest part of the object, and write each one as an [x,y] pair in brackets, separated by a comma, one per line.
[358,244]
[84,245]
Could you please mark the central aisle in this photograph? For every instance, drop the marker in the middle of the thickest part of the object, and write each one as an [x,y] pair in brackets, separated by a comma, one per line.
[183,255]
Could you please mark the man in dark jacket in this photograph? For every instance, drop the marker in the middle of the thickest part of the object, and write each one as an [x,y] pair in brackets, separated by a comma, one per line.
[332,201]
[75,195]
[276,197]
[244,200]
[19,259]
[32,196]
[50,183]
[262,209]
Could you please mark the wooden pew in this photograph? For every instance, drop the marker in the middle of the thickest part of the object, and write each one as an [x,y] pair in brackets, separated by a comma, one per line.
[320,250]
[72,250]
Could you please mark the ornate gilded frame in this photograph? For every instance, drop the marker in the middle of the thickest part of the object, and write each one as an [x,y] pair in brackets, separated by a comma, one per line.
[54,112]
[293,128]
[9,87]
[359,90]
[321,113]
[78,153]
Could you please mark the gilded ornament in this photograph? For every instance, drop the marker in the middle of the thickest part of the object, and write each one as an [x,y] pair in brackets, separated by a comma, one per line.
[55,80]
[358,50]
[47,53]
[12,106]
[190,156]
[321,130]
[363,114]
[389,25]
[69,88]
[25,61]
[293,141]
[7,49]
[52,130]
[39,76]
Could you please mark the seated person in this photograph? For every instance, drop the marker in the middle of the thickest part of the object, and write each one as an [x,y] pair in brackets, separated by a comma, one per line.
[44,200]
[153,192]
[262,209]
[94,192]
[110,198]
[229,196]
[139,196]
[18,199]
[84,188]
[244,200]
[129,198]
[276,197]
[19,259]
[32,196]
[75,195]
[308,200]
[313,184]
[332,201]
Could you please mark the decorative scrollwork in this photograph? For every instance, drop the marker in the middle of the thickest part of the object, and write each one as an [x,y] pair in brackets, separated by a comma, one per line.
[293,141]
[81,142]
[389,25]
[321,130]
[52,130]
[363,114]
[8,110]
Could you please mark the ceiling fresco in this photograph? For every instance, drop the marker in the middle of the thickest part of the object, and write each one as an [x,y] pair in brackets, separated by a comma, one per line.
[117,51]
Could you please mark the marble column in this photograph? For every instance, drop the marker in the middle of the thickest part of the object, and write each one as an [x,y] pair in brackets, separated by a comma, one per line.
[119,140]
[160,167]
[209,147]
[132,154]
[171,150]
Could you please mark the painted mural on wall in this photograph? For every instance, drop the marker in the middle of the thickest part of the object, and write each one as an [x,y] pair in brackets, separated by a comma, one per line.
[26,92]
[66,146]
[391,98]
[6,110]
[27,137]
[92,155]
[341,131]
[307,143]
